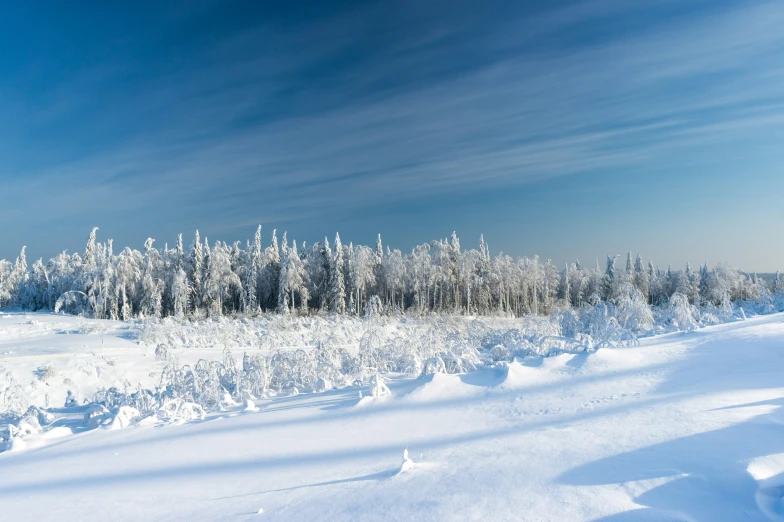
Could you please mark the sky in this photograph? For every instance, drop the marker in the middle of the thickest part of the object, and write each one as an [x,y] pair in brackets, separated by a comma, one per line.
[559,129]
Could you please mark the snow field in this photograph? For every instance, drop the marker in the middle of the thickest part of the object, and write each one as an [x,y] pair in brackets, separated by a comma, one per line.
[685,426]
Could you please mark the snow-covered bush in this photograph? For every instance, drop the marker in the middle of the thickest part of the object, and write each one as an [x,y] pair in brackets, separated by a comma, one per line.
[568,322]
[178,410]
[163,352]
[433,365]
[765,304]
[778,300]
[681,314]
[13,401]
[378,387]
[285,356]
[499,353]
[632,310]
[124,417]
[604,329]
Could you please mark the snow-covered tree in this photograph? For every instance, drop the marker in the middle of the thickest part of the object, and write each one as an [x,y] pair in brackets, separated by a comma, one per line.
[337,287]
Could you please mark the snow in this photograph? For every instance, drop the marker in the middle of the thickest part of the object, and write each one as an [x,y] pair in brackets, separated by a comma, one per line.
[685,426]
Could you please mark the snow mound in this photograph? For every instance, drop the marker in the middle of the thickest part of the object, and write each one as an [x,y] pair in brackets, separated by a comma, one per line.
[124,417]
[438,386]
[369,400]
[768,471]
[516,376]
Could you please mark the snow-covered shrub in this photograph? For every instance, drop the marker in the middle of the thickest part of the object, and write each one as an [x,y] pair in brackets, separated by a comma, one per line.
[178,410]
[71,399]
[95,415]
[681,314]
[199,384]
[372,357]
[163,352]
[91,328]
[499,353]
[378,386]
[124,417]
[567,321]
[632,310]
[13,401]
[46,374]
[293,370]
[254,380]
[604,329]
[708,318]
[39,416]
[73,302]
[433,365]
[403,356]
[765,304]
[778,300]
[460,355]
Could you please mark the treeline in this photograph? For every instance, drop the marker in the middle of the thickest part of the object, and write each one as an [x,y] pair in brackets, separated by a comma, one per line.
[222,279]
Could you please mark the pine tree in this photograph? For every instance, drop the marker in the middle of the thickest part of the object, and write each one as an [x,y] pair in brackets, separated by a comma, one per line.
[179,257]
[270,282]
[197,268]
[283,285]
[18,277]
[565,291]
[180,293]
[274,250]
[327,266]
[206,298]
[609,277]
[251,298]
[89,251]
[641,280]
[337,287]
[610,270]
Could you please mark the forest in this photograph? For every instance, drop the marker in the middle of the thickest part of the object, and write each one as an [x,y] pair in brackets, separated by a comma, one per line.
[219,279]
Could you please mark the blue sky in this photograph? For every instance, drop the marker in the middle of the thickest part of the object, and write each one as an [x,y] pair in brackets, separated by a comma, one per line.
[563,129]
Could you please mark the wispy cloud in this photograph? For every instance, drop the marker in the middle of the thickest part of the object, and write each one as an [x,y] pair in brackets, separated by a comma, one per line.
[327,114]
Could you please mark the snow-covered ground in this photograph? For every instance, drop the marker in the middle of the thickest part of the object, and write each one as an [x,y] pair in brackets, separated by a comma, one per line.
[686,426]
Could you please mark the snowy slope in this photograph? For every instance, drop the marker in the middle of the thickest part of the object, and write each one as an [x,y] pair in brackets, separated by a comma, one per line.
[687,426]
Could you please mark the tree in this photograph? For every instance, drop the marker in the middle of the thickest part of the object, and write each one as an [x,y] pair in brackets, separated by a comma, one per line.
[180,292]
[89,251]
[565,292]
[705,290]
[641,280]
[293,282]
[609,277]
[337,287]
[196,268]
[152,285]
[251,297]
[434,277]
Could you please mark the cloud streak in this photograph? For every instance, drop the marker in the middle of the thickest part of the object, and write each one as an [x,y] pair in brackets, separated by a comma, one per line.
[369,106]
